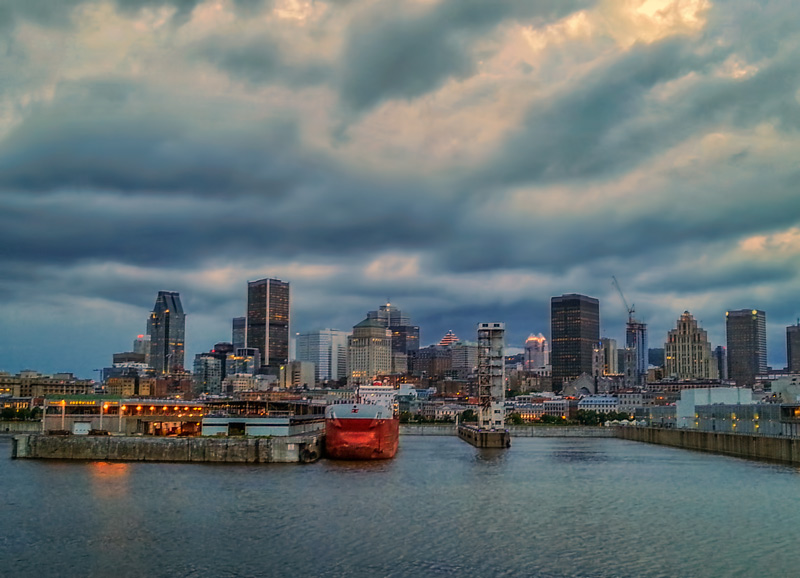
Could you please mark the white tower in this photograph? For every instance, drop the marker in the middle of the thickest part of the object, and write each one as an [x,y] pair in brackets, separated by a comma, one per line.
[491,375]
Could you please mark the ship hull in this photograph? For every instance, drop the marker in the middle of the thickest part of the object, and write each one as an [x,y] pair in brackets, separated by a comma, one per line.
[361,438]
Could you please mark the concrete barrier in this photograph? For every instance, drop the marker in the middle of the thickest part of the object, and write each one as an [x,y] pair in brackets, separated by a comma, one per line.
[515,431]
[776,449]
[292,449]
[18,427]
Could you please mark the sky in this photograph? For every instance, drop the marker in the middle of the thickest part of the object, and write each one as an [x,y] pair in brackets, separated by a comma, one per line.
[466,159]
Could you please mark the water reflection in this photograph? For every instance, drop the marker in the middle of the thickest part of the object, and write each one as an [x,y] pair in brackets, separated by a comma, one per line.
[108,479]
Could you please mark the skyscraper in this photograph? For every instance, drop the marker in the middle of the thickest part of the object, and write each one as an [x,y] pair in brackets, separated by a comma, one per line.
[537,352]
[636,339]
[327,350]
[687,351]
[793,348]
[574,333]
[746,330]
[167,328]
[369,352]
[239,333]
[268,320]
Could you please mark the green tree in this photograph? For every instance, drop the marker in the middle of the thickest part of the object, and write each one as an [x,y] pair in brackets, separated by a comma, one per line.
[469,416]
[515,419]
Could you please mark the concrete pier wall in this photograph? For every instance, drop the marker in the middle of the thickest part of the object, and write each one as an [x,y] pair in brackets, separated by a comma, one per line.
[294,449]
[778,449]
[516,431]
[17,427]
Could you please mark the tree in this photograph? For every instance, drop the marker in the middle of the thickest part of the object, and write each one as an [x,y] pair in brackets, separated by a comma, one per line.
[469,416]
[515,419]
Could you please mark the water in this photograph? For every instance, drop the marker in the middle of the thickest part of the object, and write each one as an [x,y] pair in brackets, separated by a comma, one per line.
[545,508]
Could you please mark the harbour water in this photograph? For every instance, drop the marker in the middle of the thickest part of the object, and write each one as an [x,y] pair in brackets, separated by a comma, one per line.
[547,507]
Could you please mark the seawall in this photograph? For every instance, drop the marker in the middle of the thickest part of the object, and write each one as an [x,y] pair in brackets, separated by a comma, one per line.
[18,427]
[515,431]
[293,449]
[775,449]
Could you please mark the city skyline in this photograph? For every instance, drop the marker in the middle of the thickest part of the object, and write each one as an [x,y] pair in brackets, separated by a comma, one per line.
[469,160]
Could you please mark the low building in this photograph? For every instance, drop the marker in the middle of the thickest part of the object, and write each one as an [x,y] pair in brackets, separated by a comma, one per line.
[753,419]
[599,403]
[691,398]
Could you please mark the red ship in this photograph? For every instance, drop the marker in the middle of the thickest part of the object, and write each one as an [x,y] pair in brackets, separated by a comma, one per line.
[363,430]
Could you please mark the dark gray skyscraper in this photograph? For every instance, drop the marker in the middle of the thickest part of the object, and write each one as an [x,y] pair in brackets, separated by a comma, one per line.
[268,320]
[239,333]
[167,329]
[636,339]
[746,330]
[574,333]
[793,348]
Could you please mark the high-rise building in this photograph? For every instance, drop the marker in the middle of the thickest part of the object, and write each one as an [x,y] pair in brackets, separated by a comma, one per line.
[167,329]
[720,356]
[208,373]
[656,356]
[793,348]
[268,320]
[369,352]
[610,357]
[239,332]
[327,350]
[636,339]
[687,352]
[405,337]
[389,316]
[574,333]
[537,352]
[142,345]
[746,330]
[463,358]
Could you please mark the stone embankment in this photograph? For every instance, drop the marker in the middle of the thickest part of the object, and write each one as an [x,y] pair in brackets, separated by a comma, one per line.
[294,449]
[18,427]
[776,449]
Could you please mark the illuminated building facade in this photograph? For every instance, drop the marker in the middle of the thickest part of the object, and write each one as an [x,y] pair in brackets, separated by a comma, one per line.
[167,329]
[369,352]
[746,331]
[687,352]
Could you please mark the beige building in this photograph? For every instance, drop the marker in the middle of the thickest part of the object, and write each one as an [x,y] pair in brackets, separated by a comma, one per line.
[687,352]
[369,352]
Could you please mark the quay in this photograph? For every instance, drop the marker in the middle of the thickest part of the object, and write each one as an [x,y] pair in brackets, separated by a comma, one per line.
[485,438]
[304,448]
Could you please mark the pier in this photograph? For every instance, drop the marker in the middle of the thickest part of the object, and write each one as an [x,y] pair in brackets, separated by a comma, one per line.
[484,438]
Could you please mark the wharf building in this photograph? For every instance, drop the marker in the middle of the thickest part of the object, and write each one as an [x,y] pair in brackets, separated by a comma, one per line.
[793,348]
[746,331]
[369,352]
[166,328]
[575,332]
[491,374]
[267,326]
[327,350]
[688,351]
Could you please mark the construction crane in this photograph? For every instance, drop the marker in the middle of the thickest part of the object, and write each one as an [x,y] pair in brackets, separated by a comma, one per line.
[632,307]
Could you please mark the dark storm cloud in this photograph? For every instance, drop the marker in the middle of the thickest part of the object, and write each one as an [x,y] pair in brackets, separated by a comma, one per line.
[395,55]
[261,61]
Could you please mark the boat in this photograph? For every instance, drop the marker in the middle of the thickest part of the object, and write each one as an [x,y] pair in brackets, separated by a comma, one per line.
[368,429]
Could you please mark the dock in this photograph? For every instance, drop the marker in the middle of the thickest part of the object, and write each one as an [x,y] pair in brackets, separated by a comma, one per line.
[485,438]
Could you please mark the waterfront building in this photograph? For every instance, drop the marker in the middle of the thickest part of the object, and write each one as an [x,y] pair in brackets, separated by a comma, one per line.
[685,407]
[369,352]
[327,350]
[166,328]
[268,320]
[537,352]
[793,348]
[688,351]
[574,331]
[746,331]
[599,403]
[491,374]
[239,332]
